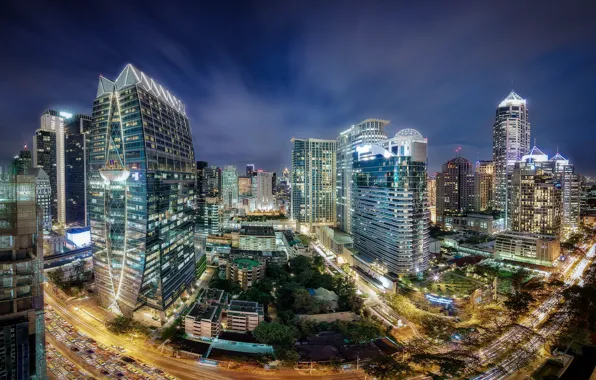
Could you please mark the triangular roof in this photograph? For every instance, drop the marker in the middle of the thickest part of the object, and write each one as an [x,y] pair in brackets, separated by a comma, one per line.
[512,99]
[535,151]
[105,86]
[535,155]
[558,157]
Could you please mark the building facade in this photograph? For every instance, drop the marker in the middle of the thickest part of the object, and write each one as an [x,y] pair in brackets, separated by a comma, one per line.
[390,221]
[245,186]
[43,196]
[313,182]
[369,131]
[484,185]
[571,191]
[455,189]
[48,154]
[141,196]
[76,136]
[22,332]
[245,271]
[529,248]
[244,316]
[22,162]
[511,140]
[229,186]
[264,197]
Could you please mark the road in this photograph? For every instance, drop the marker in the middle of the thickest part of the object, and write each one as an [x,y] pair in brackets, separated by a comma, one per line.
[535,338]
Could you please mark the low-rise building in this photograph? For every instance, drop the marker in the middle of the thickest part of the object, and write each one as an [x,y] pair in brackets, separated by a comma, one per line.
[529,248]
[325,295]
[244,316]
[482,223]
[334,239]
[245,271]
[256,238]
[279,258]
[203,320]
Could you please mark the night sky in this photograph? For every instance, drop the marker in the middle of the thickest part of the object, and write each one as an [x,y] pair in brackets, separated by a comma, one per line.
[255,74]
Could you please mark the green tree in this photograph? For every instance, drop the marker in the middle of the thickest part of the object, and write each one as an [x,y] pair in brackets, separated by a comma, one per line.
[319,263]
[385,367]
[518,303]
[300,264]
[120,325]
[274,334]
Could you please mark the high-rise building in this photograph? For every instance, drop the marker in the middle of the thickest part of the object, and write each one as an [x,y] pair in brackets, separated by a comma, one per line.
[431,189]
[588,196]
[141,196]
[245,186]
[43,196]
[483,185]
[213,175]
[76,131]
[511,140]
[536,200]
[22,332]
[208,222]
[229,186]
[390,220]
[22,162]
[250,170]
[571,190]
[455,189]
[369,131]
[285,176]
[313,182]
[202,186]
[48,154]
[265,200]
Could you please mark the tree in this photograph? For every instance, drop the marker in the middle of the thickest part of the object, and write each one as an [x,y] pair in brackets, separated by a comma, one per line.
[448,364]
[274,334]
[385,367]
[300,264]
[319,263]
[256,295]
[56,276]
[120,325]
[518,303]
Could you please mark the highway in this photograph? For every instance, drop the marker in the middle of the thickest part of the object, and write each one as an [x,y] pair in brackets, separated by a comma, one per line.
[535,338]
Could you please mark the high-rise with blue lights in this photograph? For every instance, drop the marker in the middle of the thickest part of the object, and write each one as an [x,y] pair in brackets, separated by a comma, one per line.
[141,196]
[390,219]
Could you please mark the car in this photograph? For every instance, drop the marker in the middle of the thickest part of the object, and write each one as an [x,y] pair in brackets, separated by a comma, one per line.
[128,359]
[104,372]
[75,348]
[120,374]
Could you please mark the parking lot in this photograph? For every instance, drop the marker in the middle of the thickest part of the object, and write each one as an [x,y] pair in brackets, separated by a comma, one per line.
[111,362]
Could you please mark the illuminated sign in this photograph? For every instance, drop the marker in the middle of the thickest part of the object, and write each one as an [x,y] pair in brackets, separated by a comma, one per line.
[65,115]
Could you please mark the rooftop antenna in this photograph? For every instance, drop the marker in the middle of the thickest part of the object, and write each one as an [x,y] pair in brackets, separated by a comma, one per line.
[534,141]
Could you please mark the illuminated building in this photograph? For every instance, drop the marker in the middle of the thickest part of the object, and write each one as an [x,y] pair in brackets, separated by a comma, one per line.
[22,332]
[588,196]
[390,220]
[264,197]
[201,180]
[455,189]
[250,170]
[141,196]
[369,131]
[245,271]
[48,154]
[313,182]
[571,192]
[43,196]
[229,186]
[245,186]
[243,316]
[530,248]
[431,188]
[511,140]
[483,185]
[213,178]
[76,133]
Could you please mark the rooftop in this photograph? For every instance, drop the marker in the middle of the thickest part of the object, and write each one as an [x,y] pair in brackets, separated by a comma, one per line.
[247,263]
[245,306]
[512,99]
[200,312]
[257,231]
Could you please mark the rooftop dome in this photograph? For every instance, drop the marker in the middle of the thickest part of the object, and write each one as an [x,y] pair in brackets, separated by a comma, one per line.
[409,132]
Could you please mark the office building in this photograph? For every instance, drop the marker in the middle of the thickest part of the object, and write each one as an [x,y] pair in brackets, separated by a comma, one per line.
[369,131]
[250,170]
[483,185]
[43,197]
[571,191]
[245,271]
[141,197]
[245,186]
[334,239]
[587,196]
[22,162]
[529,248]
[535,196]
[22,332]
[213,179]
[511,140]
[390,220]
[48,154]
[313,182]
[264,197]
[229,186]
[203,321]
[431,189]
[244,316]
[201,181]
[455,189]
[256,238]
[76,156]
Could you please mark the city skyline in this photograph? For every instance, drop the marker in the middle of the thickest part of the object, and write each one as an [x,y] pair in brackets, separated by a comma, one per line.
[282,81]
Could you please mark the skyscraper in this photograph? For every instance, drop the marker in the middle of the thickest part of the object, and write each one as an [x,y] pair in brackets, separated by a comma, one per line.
[483,185]
[245,186]
[141,196]
[390,221]
[43,196]
[22,332]
[511,140]
[229,186]
[455,189]
[48,154]
[265,200]
[571,192]
[313,182]
[369,131]
[431,190]
[250,170]
[23,161]
[213,178]
[76,131]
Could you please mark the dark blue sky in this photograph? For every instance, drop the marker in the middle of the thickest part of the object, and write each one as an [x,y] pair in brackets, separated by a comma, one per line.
[255,74]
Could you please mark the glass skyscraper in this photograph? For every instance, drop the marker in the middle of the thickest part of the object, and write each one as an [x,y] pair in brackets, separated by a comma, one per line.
[229,186]
[511,141]
[76,131]
[22,332]
[141,196]
[313,182]
[390,219]
[369,131]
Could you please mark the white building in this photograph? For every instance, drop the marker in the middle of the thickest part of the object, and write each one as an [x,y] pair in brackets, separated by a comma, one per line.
[265,200]
[203,321]
[243,316]
[229,186]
